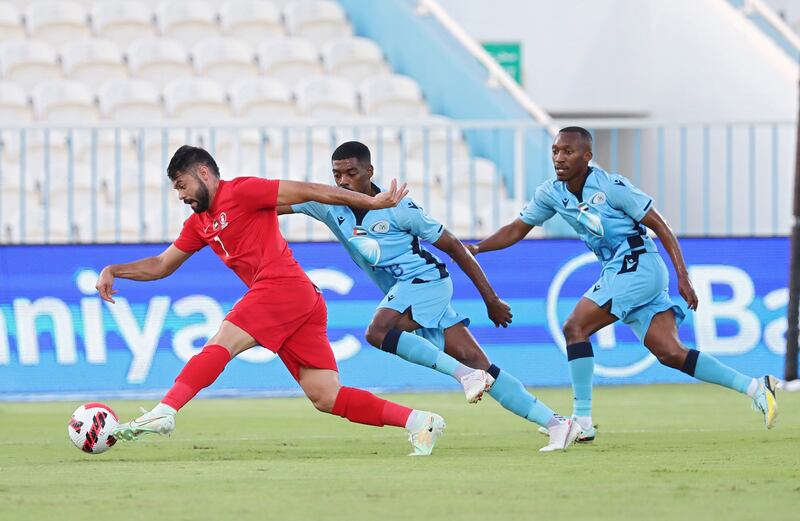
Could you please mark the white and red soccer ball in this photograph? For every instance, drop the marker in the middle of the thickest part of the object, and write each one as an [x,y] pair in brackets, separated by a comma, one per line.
[91,426]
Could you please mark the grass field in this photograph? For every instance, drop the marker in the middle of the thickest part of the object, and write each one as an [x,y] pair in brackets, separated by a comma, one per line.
[664,452]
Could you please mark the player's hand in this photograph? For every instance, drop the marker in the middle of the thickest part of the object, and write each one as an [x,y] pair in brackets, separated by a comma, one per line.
[499,312]
[105,285]
[687,292]
[473,248]
[390,197]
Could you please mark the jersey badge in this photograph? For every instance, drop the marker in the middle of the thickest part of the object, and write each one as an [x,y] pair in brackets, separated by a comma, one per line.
[380,227]
[598,199]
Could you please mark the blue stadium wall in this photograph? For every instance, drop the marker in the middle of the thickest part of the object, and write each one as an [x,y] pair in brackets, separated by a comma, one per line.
[59,340]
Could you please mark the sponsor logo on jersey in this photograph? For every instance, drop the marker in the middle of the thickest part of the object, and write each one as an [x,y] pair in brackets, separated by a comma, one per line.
[340,219]
[589,220]
[380,227]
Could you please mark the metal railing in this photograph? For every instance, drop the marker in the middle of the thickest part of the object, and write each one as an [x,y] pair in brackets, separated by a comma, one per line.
[87,184]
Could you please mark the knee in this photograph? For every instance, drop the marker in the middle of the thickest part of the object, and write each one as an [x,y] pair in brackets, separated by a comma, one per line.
[375,334]
[671,356]
[574,332]
[323,400]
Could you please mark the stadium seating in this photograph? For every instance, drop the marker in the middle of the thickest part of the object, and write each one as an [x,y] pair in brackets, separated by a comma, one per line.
[251,20]
[159,60]
[28,62]
[268,63]
[122,21]
[187,21]
[56,22]
[92,61]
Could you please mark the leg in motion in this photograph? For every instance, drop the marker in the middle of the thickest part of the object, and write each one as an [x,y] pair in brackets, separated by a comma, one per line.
[662,340]
[198,373]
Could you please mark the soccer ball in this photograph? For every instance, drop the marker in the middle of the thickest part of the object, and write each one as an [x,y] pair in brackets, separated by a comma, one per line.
[91,426]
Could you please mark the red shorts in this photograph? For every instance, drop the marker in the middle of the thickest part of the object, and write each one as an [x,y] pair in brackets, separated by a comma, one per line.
[294,328]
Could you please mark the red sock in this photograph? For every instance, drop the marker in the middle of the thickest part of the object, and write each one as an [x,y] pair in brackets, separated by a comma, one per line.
[199,372]
[360,406]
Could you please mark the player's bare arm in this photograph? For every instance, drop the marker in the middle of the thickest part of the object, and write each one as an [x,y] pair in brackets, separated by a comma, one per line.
[285,210]
[656,222]
[296,192]
[499,311]
[149,268]
[506,236]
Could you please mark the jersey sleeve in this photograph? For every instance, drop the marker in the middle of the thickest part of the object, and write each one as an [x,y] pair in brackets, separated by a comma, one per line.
[623,196]
[189,241]
[313,209]
[538,209]
[255,193]
[411,217]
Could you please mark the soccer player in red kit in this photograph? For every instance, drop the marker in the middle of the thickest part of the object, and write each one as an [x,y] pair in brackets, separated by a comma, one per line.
[282,310]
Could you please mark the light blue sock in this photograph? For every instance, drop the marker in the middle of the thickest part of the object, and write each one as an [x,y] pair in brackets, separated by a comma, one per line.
[708,369]
[420,351]
[581,369]
[512,395]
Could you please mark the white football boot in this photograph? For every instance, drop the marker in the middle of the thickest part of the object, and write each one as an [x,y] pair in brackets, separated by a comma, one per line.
[151,422]
[475,384]
[423,430]
[562,435]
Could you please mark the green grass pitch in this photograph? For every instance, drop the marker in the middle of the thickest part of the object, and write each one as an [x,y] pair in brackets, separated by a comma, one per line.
[684,452]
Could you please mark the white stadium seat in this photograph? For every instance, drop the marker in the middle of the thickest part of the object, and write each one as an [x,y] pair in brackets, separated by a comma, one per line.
[262,99]
[63,101]
[327,97]
[187,21]
[485,176]
[316,20]
[223,59]
[122,21]
[56,22]
[10,22]
[93,61]
[392,96]
[130,100]
[354,59]
[28,62]
[289,59]
[197,100]
[251,20]
[13,103]
[444,142]
[159,60]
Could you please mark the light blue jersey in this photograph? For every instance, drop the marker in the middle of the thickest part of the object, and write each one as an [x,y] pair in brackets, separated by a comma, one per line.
[386,245]
[633,285]
[606,216]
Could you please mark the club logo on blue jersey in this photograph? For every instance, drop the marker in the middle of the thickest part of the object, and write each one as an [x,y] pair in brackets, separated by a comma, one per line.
[598,199]
[589,220]
[366,246]
[380,227]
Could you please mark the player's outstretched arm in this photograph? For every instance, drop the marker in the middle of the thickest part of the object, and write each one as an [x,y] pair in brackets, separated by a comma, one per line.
[506,236]
[498,310]
[285,210]
[150,268]
[296,192]
[656,222]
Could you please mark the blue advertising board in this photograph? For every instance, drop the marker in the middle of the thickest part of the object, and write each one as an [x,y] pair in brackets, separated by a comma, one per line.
[59,340]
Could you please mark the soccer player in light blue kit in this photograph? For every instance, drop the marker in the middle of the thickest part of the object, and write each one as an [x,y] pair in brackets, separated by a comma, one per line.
[610,215]
[415,319]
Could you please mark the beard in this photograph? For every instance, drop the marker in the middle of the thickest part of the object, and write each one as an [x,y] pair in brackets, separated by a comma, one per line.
[201,198]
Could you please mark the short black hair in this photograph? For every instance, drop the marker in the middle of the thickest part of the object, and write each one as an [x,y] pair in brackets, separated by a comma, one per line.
[354,149]
[188,156]
[585,134]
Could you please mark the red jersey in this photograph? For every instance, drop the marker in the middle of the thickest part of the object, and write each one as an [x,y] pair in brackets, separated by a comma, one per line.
[241,226]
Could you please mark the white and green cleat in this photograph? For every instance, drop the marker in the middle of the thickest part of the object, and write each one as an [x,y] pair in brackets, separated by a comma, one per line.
[765,400]
[147,423]
[423,432]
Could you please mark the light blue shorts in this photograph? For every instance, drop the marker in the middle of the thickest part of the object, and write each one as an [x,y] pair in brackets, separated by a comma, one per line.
[637,288]
[430,306]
